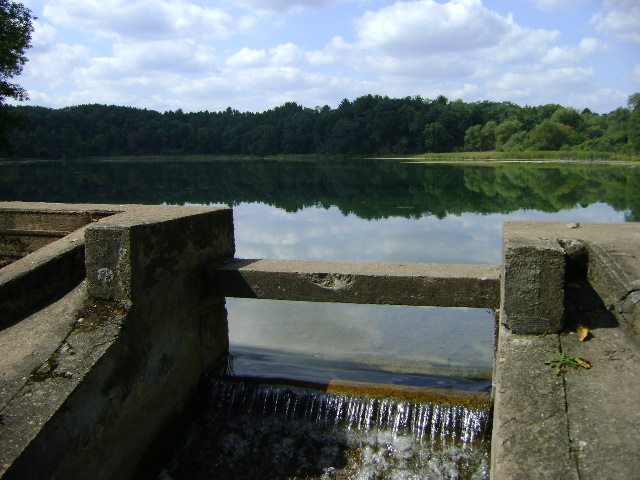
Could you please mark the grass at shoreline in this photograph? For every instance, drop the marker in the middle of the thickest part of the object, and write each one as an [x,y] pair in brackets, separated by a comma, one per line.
[561,155]
[527,155]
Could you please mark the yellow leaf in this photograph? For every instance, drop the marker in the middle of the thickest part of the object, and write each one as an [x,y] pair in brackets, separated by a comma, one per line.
[583,332]
[583,363]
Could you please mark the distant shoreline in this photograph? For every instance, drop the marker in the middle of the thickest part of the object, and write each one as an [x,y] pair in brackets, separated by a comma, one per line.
[476,158]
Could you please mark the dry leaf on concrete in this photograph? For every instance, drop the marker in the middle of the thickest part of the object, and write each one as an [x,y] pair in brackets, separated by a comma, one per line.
[584,333]
[583,363]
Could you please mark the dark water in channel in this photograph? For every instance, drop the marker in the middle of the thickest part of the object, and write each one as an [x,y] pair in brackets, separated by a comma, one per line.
[346,209]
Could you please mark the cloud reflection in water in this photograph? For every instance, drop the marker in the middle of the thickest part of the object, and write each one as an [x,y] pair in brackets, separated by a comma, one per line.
[409,336]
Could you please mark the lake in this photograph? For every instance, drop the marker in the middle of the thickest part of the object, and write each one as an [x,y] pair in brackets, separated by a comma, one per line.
[352,209]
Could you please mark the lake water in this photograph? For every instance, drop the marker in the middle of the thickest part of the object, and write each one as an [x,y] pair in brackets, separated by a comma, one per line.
[351,209]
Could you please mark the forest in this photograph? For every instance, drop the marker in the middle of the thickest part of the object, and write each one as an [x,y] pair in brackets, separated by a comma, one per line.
[368,125]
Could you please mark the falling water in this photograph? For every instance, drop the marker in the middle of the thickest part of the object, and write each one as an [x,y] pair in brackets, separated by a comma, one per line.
[261,431]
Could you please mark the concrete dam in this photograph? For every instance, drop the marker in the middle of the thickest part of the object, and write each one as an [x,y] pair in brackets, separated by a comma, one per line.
[108,312]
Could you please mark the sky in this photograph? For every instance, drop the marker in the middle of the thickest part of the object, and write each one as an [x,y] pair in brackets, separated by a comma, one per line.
[253,55]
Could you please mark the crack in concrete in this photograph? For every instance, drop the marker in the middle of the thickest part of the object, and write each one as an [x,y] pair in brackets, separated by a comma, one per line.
[571,451]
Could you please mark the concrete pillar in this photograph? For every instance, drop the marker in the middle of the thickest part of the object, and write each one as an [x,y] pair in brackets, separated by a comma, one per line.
[533,277]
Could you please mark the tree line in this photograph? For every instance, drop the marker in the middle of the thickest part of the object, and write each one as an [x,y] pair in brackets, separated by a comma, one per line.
[368,125]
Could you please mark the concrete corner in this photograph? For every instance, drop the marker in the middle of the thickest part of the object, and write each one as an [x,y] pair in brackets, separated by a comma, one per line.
[532,281]
[131,346]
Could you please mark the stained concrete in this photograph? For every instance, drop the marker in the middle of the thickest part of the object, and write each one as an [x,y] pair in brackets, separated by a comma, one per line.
[530,425]
[360,282]
[25,227]
[533,272]
[43,271]
[104,372]
[583,423]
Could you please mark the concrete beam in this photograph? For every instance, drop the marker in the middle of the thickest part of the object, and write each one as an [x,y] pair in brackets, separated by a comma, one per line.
[359,282]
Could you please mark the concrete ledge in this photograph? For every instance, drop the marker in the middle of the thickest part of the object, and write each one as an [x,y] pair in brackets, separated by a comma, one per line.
[32,282]
[123,365]
[28,226]
[583,423]
[359,282]
[530,424]
[47,243]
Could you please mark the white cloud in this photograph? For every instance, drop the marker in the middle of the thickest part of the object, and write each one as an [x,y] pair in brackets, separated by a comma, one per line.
[140,19]
[570,54]
[57,63]
[43,38]
[246,57]
[283,6]
[168,54]
[181,56]
[620,18]
[425,26]
[536,85]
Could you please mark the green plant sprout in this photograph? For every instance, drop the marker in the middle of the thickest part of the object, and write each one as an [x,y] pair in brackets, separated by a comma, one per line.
[562,362]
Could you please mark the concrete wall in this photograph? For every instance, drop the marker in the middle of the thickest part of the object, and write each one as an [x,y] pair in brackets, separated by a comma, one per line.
[24,230]
[136,348]
[90,381]
[572,423]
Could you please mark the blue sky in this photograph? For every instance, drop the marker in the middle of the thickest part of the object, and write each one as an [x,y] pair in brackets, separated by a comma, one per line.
[257,54]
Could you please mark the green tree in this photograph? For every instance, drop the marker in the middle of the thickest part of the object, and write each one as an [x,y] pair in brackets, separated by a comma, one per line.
[15,37]
[549,135]
[506,130]
[473,138]
[436,137]
[567,116]
[634,122]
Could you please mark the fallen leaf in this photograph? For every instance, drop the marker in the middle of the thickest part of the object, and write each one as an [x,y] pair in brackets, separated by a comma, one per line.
[583,332]
[583,363]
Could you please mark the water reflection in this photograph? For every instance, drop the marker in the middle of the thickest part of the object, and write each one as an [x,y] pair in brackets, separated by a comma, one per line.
[368,189]
[444,341]
[263,231]
[350,209]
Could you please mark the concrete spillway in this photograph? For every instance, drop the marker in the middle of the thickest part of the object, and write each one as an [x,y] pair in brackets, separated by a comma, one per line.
[123,314]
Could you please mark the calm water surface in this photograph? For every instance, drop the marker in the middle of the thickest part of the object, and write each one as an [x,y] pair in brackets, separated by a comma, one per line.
[353,209]
[346,209]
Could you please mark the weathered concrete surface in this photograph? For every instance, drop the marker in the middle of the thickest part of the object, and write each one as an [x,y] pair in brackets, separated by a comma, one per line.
[529,420]
[27,345]
[582,424]
[360,282]
[135,352]
[533,288]
[602,402]
[46,270]
[28,226]
[613,268]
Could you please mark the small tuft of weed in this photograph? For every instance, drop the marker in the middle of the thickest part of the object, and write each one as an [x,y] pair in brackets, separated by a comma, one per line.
[562,362]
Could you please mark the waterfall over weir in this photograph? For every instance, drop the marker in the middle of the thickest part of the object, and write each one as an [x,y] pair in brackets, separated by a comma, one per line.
[421,421]
[265,431]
